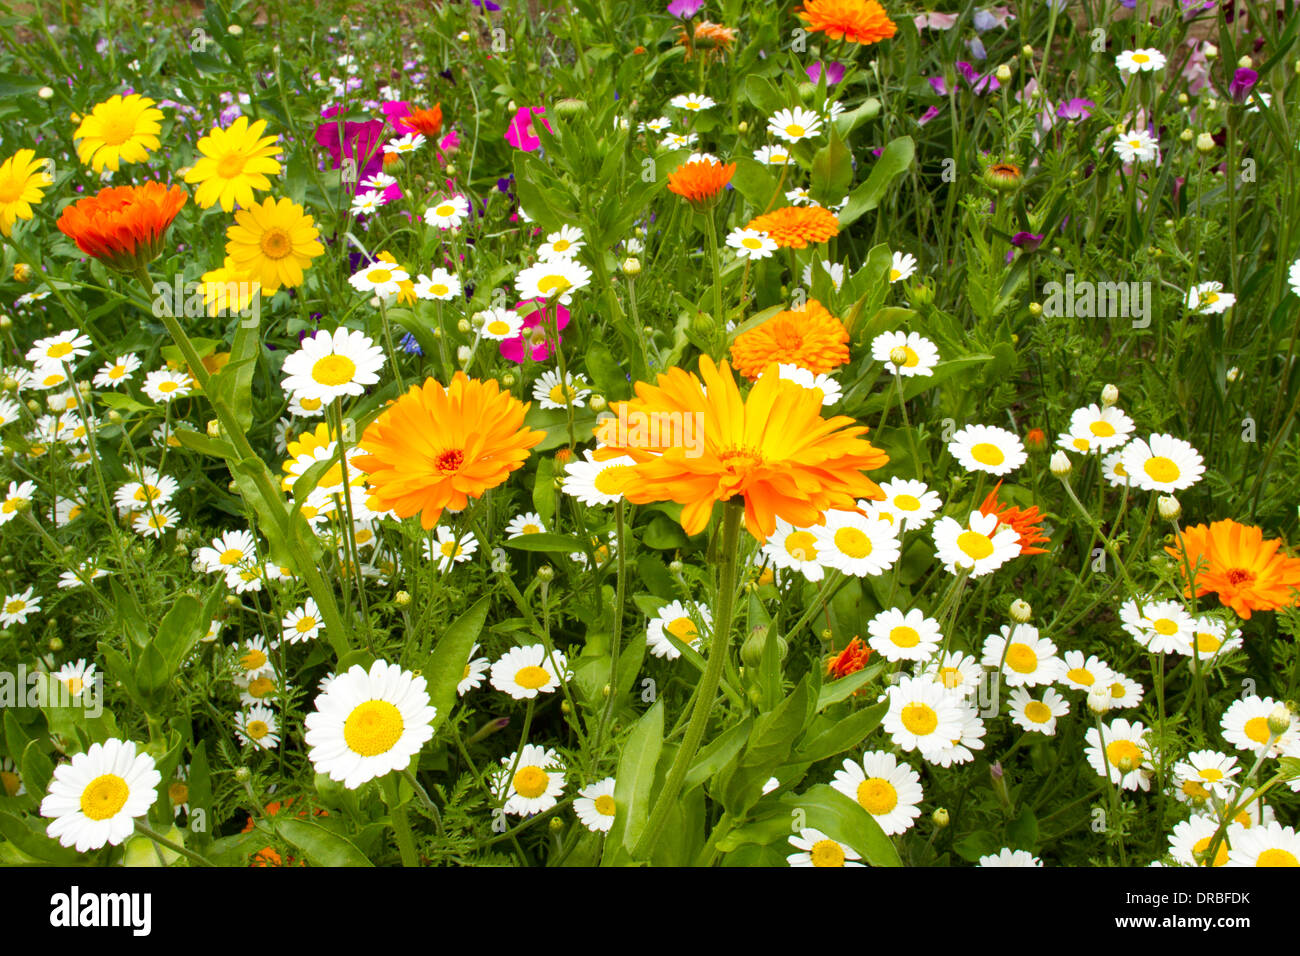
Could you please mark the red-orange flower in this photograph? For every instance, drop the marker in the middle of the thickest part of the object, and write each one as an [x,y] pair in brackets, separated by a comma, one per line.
[436,447]
[1035,439]
[123,226]
[700,182]
[1236,563]
[809,337]
[708,38]
[772,448]
[1026,522]
[850,660]
[428,122]
[795,226]
[857,21]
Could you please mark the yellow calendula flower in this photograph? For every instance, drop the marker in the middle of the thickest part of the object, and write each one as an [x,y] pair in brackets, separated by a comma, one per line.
[274,243]
[23,181]
[122,129]
[236,161]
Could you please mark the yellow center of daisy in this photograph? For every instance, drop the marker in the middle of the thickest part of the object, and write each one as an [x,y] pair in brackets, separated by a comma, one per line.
[794,129]
[1141,58]
[310,404]
[168,386]
[74,685]
[1081,444]
[560,245]
[987,453]
[147,493]
[1165,626]
[1117,689]
[683,628]
[305,624]
[1275,857]
[919,718]
[231,556]
[605,805]
[1120,750]
[877,795]
[1081,675]
[58,350]
[827,853]
[252,660]
[1038,712]
[1211,774]
[904,636]
[261,687]
[372,728]
[379,276]
[531,782]
[333,370]
[1207,643]
[178,792]
[1161,469]
[438,288]
[257,729]
[907,503]
[606,480]
[231,165]
[562,394]
[1195,790]
[553,285]
[1102,429]
[1203,844]
[752,242]
[950,677]
[895,275]
[801,545]
[975,545]
[276,243]
[14,606]
[446,209]
[1022,659]
[913,359]
[532,677]
[117,371]
[530,528]
[104,796]
[498,327]
[1257,729]
[853,543]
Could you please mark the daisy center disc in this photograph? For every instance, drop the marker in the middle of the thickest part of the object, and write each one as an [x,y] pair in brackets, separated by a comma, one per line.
[827,853]
[252,660]
[1022,659]
[1160,468]
[1120,750]
[975,545]
[605,805]
[260,687]
[104,796]
[801,545]
[373,728]
[531,782]
[907,502]
[1207,643]
[333,370]
[1102,429]
[1038,712]
[607,480]
[1081,676]
[986,453]
[532,677]
[683,629]
[1257,729]
[904,636]
[257,729]
[920,719]
[853,543]
[1220,858]
[1275,857]
[877,795]
[178,793]
[275,243]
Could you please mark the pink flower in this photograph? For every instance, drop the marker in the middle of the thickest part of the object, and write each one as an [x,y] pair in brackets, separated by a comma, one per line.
[397,111]
[534,335]
[519,133]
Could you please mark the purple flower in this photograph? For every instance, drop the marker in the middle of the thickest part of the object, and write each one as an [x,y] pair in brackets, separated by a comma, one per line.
[939,84]
[834,73]
[1074,109]
[685,9]
[488,4]
[1242,82]
[980,84]
[928,115]
[1028,241]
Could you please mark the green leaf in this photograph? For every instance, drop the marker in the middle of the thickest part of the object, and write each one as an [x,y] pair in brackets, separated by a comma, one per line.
[842,819]
[544,490]
[893,162]
[634,780]
[447,663]
[845,735]
[151,671]
[183,626]
[832,170]
[36,769]
[216,447]
[323,847]
[717,754]
[839,690]
[129,616]
[545,541]
[29,837]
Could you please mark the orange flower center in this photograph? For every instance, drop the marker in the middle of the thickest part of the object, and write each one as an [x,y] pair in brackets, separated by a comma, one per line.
[231,165]
[1240,576]
[276,243]
[450,462]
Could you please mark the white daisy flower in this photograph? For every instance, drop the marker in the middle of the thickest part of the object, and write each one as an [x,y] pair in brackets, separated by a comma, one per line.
[589,480]
[656,125]
[1140,61]
[777,155]
[1137,146]
[678,140]
[475,670]
[367,203]
[987,448]
[404,144]
[794,125]
[890,791]
[449,550]
[76,677]
[302,623]
[565,244]
[1190,841]
[164,385]
[830,388]
[677,620]
[331,365]
[969,739]
[525,672]
[368,724]
[254,660]
[1106,428]
[1083,674]
[980,547]
[1163,463]
[922,716]
[908,502]
[229,550]
[500,324]
[67,346]
[303,407]
[595,806]
[439,285]
[536,783]
[691,102]
[555,280]
[381,278]
[1122,755]
[751,243]
[95,798]
[856,544]
[817,849]
[1245,726]
[154,522]
[527,523]
[959,673]
[1211,640]
[1269,845]
[257,726]
[1039,716]
[1009,857]
[117,372]
[18,496]
[1162,627]
[1025,658]
[902,265]
[1209,298]
[1204,774]
[904,636]
[833,269]
[922,354]
[794,549]
[1112,469]
[550,392]
[447,213]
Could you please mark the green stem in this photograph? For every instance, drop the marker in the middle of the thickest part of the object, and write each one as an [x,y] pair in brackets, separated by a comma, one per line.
[401,827]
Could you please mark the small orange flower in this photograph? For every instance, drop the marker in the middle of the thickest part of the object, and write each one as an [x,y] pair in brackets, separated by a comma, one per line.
[428,122]
[850,660]
[708,38]
[809,337]
[700,182]
[795,226]
[1035,439]
[772,448]
[1236,563]
[436,447]
[1026,522]
[857,21]
[123,226]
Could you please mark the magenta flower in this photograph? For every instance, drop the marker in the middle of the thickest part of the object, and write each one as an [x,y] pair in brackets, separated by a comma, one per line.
[1075,109]
[928,115]
[360,142]
[520,134]
[685,9]
[834,73]
[533,336]
[397,111]
[1242,83]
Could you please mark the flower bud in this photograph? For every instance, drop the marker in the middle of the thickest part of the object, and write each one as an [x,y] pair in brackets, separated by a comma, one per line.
[56,644]
[463,326]
[22,272]
[45,93]
[1021,612]
[898,356]
[1186,136]
[1099,699]
[1279,720]
[1035,309]
[464,354]
[1233,374]
[115,417]
[232,600]
[1127,764]
[631,266]
[597,403]
[1027,50]
[742,127]
[570,107]
[675,567]
[235,30]
[1204,143]
[243,774]
[1245,63]
[1060,465]
[508,380]
[1169,507]
[940,817]
[1211,51]
[402,598]
[1109,395]
[1003,73]
[556,824]
[545,573]
[214,428]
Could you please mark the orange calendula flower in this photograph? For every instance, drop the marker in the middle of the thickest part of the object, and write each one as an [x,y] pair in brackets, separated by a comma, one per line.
[1026,522]
[700,182]
[123,226]
[850,660]
[436,447]
[809,337]
[428,122]
[707,38]
[772,448]
[1236,563]
[857,21]
[794,227]
[1035,439]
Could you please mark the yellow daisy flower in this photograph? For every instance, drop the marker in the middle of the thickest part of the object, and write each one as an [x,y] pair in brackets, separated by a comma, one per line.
[273,243]
[23,181]
[236,161]
[119,130]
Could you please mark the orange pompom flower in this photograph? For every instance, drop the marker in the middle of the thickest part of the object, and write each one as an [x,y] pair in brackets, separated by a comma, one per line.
[849,661]
[428,122]
[436,447]
[857,21]
[700,182]
[123,226]
[809,337]
[772,448]
[1026,522]
[794,227]
[1236,563]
